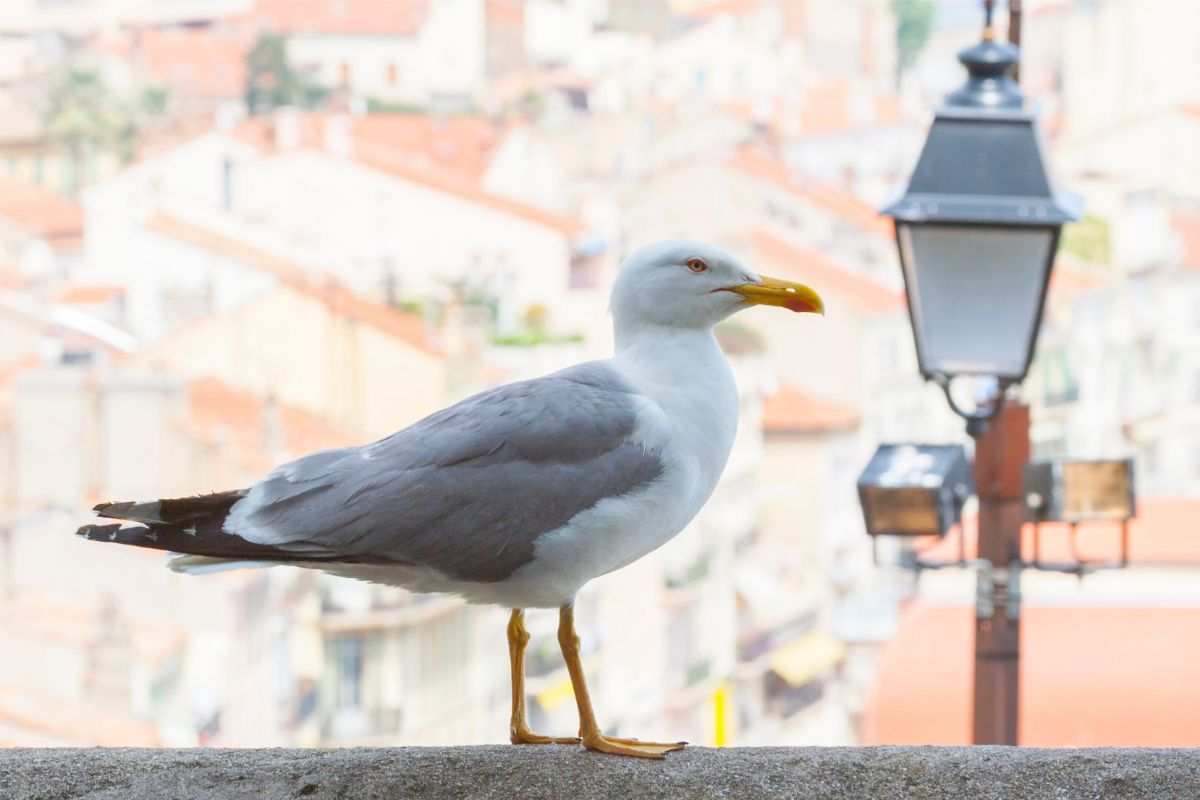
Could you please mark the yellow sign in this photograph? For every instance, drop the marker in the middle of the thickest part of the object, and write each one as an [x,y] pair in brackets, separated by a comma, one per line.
[721,714]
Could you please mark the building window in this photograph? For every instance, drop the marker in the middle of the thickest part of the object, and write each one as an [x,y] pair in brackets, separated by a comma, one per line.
[227,183]
[348,662]
[1061,388]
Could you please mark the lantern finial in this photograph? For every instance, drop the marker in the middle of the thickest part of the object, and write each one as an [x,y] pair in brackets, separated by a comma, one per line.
[989,66]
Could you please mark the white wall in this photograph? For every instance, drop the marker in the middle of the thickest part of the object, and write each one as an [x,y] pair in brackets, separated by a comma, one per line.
[555,31]
[445,58]
[523,168]
[357,218]
[366,61]
[189,177]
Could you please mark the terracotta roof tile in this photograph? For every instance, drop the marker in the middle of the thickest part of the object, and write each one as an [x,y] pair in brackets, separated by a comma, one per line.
[450,155]
[228,246]
[461,146]
[1187,227]
[845,206]
[90,294]
[348,17]
[11,277]
[735,8]
[1071,277]
[202,62]
[42,212]
[887,108]
[258,132]
[790,410]
[506,12]
[408,327]
[219,412]
[830,279]
[826,108]
[10,370]
[387,160]
[1090,677]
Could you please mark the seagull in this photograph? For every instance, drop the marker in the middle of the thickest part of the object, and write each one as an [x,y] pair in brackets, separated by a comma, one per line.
[519,495]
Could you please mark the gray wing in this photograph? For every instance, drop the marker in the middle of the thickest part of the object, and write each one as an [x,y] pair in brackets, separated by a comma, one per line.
[467,490]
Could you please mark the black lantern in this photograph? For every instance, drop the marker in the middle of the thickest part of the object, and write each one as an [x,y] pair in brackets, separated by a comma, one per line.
[978,228]
[914,489]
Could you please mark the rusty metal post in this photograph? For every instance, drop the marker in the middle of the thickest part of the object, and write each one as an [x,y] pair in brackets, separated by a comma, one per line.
[1000,454]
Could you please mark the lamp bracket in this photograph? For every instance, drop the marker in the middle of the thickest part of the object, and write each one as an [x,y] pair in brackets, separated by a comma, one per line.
[977,421]
[997,585]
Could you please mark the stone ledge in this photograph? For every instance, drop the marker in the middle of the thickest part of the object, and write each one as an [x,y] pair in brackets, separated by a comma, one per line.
[534,773]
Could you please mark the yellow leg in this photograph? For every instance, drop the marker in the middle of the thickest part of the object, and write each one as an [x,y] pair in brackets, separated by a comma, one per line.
[518,730]
[589,731]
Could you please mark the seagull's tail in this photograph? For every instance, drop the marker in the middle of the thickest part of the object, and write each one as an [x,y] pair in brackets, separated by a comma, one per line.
[192,526]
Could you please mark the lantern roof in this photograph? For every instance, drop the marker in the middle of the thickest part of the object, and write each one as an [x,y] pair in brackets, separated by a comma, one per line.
[983,161]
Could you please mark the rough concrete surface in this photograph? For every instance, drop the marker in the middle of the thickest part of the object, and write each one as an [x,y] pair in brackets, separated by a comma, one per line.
[532,773]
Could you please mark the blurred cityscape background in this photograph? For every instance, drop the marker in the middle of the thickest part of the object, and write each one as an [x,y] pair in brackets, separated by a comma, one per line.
[236,231]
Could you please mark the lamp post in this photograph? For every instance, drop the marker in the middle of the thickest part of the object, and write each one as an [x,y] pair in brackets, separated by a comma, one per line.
[977,231]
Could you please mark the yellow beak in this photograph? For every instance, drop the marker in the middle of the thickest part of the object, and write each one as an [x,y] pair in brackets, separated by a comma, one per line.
[785,294]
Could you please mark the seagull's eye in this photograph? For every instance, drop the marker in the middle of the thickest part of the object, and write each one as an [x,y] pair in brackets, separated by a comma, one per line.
[697,265]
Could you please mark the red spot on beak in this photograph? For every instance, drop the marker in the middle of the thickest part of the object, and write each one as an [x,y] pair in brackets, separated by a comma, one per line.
[799,305]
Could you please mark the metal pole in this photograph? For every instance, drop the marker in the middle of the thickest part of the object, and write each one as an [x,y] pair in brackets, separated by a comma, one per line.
[1014,34]
[1000,454]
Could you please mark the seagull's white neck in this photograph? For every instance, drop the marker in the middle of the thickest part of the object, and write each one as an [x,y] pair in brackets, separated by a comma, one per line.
[684,371]
[663,351]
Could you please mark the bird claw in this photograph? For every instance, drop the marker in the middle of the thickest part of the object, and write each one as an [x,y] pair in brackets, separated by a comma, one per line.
[525,736]
[619,746]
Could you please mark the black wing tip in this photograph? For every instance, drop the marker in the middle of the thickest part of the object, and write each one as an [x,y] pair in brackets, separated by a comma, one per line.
[113,508]
[98,533]
[138,535]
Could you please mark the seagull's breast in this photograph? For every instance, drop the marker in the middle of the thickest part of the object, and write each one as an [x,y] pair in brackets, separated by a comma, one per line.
[690,421]
[689,409]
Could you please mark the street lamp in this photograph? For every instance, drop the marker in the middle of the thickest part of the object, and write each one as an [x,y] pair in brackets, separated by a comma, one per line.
[977,231]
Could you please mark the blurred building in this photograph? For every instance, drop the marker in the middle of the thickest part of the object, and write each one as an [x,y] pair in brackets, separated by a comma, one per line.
[788,680]
[388,208]
[41,234]
[1087,646]
[410,53]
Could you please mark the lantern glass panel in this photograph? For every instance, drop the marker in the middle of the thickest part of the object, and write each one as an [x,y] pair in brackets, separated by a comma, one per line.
[1097,490]
[975,293]
[902,511]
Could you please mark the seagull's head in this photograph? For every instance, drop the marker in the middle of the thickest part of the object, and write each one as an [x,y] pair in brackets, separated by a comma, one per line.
[694,285]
